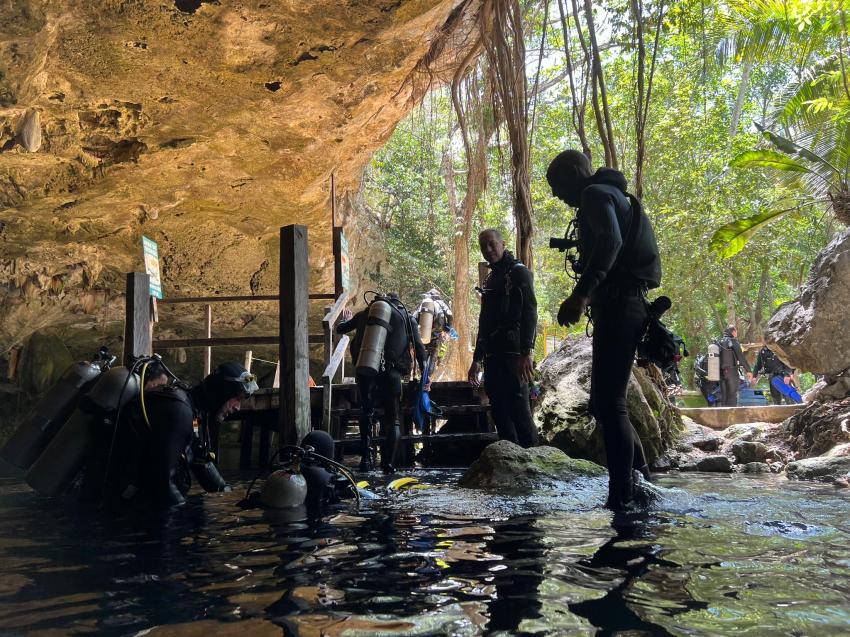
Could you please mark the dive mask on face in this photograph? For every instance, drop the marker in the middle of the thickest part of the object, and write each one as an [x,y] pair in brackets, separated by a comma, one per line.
[246,379]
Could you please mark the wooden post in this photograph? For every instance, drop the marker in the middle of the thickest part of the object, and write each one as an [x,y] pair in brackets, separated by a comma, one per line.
[208,350]
[483,272]
[337,250]
[294,421]
[11,371]
[138,327]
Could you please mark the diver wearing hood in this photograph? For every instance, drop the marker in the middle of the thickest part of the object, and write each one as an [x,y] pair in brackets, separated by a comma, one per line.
[619,262]
[174,448]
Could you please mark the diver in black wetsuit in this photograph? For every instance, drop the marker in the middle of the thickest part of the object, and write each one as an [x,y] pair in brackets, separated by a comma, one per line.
[619,262]
[731,358]
[173,448]
[402,336]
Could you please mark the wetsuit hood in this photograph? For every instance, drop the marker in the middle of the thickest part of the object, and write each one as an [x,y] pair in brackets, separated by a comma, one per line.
[609,177]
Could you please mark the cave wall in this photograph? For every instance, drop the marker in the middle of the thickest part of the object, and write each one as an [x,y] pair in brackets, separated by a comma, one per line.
[203,125]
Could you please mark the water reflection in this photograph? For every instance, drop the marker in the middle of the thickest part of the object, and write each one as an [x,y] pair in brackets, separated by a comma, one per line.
[723,557]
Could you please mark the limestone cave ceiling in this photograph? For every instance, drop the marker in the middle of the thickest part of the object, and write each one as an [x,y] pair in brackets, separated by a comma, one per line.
[205,125]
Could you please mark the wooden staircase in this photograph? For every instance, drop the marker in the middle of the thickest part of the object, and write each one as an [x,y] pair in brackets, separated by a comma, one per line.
[465,421]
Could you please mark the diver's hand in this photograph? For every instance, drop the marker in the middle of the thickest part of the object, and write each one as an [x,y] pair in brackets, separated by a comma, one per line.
[346,315]
[524,368]
[472,374]
[571,309]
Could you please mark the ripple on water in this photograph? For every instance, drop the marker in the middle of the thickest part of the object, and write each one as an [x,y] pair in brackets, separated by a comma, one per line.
[719,556]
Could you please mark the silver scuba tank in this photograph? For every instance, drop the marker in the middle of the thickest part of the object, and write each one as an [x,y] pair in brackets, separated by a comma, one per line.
[284,489]
[56,467]
[48,415]
[713,363]
[374,338]
[427,309]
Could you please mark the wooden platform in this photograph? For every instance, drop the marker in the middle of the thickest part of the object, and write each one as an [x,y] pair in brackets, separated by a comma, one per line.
[458,400]
[723,417]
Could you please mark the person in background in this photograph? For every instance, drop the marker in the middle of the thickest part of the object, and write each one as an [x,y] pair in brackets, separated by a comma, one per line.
[780,377]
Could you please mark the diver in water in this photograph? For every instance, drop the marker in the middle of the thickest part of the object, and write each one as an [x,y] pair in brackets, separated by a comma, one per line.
[174,448]
[305,481]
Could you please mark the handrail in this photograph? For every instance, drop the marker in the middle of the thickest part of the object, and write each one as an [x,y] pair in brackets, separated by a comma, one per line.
[330,318]
[223,299]
[336,358]
[170,343]
[327,378]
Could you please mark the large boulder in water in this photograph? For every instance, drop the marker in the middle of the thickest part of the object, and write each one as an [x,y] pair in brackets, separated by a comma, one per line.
[809,332]
[563,413]
[507,466]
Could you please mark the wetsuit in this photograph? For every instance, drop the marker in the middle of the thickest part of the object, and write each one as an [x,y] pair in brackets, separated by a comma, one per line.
[619,263]
[507,327]
[768,363]
[731,357]
[387,383]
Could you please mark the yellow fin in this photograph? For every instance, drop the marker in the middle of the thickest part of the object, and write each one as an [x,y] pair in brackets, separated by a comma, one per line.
[362,484]
[400,483]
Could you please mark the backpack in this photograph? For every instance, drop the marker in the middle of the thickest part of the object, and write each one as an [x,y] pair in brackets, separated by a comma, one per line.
[659,345]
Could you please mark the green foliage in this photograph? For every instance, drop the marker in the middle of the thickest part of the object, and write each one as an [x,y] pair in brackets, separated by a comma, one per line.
[699,201]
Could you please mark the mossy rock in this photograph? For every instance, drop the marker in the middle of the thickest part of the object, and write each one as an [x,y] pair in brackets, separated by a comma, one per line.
[507,466]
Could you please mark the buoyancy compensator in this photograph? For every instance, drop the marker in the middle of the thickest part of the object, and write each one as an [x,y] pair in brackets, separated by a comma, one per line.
[49,414]
[57,465]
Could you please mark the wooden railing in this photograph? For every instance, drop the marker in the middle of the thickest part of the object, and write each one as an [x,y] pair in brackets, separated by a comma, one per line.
[334,356]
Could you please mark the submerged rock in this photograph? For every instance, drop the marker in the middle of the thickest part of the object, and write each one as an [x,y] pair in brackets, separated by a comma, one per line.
[806,331]
[823,469]
[715,464]
[505,465]
[563,414]
[756,467]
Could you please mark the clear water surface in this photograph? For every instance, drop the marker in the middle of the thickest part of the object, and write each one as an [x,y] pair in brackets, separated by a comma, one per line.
[722,555]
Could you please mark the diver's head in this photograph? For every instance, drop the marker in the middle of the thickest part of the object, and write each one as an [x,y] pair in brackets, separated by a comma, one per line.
[731,330]
[568,175]
[226,387]
[492,245]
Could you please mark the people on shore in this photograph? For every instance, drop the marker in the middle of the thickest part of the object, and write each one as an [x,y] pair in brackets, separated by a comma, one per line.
[504,347]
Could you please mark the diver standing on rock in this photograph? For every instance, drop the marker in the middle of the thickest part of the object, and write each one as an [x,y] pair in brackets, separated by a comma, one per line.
[618,263]
[507,326]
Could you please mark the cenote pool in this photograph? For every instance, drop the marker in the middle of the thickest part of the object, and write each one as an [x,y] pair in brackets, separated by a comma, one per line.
[721,555]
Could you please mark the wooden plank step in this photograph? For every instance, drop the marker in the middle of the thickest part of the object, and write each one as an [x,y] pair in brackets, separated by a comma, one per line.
[462,437]
[449,410]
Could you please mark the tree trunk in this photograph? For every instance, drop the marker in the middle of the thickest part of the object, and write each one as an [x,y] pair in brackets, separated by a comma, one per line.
[731,316]
[577,113]
[611,150]
[739,101]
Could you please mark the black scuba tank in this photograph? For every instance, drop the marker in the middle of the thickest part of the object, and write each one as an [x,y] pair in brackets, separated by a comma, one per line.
[48,415]
[60,462]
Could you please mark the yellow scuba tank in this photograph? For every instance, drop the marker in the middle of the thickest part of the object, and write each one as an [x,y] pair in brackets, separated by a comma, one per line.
[427,309]
[374,337]
[48,415]
[56,467]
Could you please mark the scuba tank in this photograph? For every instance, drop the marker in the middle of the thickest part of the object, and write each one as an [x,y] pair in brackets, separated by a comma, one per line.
[374,337]
[43,421]
[284,489]
[713,362]
[56,467]
[427,310]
